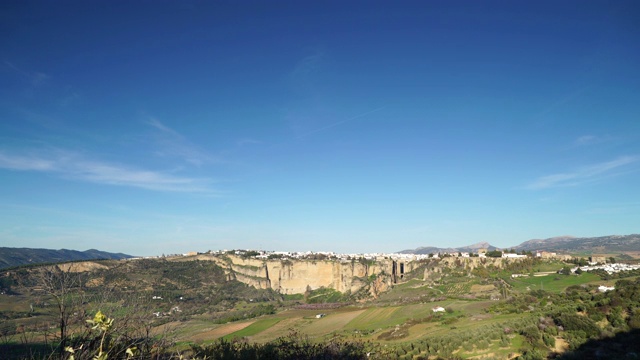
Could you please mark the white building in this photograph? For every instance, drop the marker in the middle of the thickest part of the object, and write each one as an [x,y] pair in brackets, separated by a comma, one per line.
[513,256]
[603,288]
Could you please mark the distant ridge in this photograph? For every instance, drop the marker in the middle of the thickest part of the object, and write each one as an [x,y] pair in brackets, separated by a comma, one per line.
[563,244]
[434,250]
[570,244]
[10,257]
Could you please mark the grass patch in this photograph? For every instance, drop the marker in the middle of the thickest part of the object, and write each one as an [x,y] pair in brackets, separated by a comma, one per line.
[553,265]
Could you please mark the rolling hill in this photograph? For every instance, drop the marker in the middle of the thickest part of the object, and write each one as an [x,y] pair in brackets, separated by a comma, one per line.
[10,257]
[564,244]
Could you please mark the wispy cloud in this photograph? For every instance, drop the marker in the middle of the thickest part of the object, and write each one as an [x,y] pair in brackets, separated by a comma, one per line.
[175,145]
[305,74]
[337,123]
[33,77]
[308,66]
[586,140]
[25,163]
[583,175]
[74,166]
[247,141]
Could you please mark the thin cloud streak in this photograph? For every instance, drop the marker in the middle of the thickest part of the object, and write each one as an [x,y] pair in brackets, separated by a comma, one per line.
[35,78]
[73,166]
[339,123]
[25,163]
[587,140]
[173,144]
[582,175]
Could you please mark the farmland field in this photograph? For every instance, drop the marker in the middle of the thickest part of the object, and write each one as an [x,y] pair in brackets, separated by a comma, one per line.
[456,289]
[253,328]
[553,283]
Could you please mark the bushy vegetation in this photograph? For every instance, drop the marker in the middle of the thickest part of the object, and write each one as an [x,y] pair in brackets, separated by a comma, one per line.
[253,312]
[290,347]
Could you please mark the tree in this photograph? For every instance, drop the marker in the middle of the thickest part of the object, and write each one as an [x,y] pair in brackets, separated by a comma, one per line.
[307,294]
[63,286]
[566,270]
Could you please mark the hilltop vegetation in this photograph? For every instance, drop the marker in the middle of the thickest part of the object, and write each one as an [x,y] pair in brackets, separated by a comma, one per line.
[11,257]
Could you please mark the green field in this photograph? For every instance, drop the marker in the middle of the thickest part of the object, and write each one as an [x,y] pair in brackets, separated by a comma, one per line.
[552,283]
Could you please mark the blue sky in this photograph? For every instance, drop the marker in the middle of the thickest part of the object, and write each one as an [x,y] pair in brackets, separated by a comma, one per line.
[166,127]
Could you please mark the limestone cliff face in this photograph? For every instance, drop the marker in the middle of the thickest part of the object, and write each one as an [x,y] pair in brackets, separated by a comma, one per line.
[293,276]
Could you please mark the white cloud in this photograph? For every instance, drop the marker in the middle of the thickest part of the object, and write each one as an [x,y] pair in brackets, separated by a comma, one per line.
[582,175]
[25,163]
[73,166]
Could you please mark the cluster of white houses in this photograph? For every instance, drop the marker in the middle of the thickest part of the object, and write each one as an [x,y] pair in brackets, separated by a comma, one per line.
[375,256]
[369,256]
[609,268]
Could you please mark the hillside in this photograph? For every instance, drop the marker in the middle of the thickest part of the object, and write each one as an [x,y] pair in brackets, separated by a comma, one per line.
[603,244]
[10,257]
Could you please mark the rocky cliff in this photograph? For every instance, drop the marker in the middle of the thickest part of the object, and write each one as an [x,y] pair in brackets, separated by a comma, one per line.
[289,276]
[294,276]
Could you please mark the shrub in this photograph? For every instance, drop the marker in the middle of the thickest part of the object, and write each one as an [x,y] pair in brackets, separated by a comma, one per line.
[549,340]
[574,322]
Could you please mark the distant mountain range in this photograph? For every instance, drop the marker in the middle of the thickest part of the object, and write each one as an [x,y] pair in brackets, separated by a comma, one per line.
[10,257]
[434,250]
[601,244]
[563,244]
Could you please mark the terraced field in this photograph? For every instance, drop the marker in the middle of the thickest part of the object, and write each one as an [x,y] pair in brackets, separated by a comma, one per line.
[456,289]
